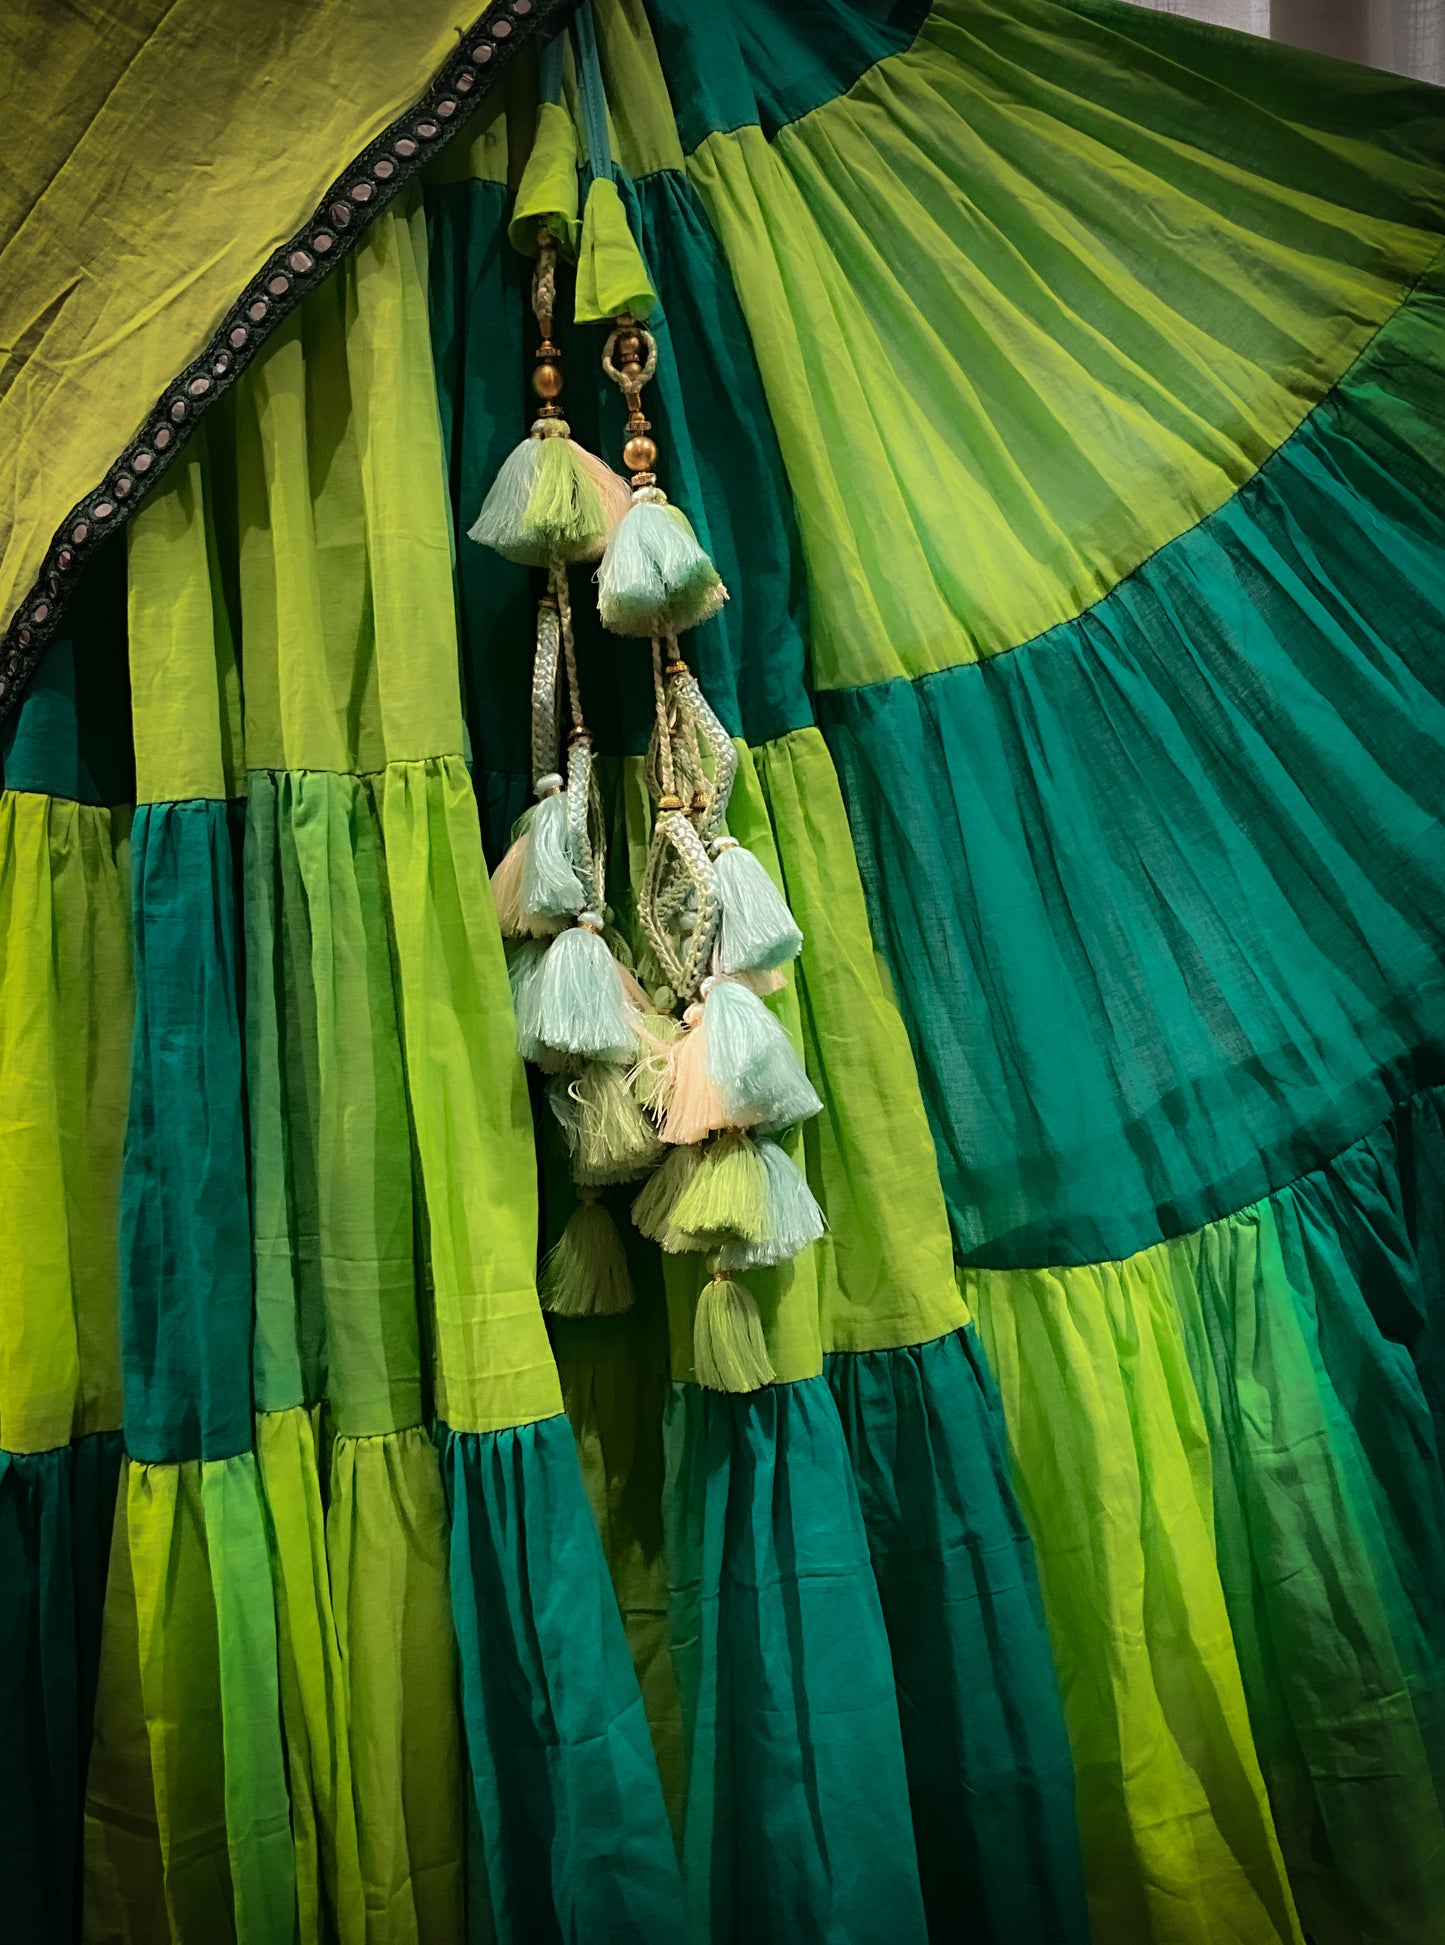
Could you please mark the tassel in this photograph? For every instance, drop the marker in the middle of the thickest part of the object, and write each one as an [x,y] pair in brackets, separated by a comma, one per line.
[651,1079]
[576,500]
[551,501]
[580,1003]
[512,920]
[729,1351]
[728,1196]
[654,577]
[652,1210]
[758,933]
[585,1274]
[793,1218]
[609,1137]
[524,973]
[751,1061]
[549,887]
[694,1106]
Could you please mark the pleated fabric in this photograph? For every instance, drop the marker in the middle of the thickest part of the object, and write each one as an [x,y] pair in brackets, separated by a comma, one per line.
[1256,1492]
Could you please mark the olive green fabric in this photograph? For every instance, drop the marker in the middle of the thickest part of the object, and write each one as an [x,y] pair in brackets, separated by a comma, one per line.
[65,1010]
[1029,302]
[108,244]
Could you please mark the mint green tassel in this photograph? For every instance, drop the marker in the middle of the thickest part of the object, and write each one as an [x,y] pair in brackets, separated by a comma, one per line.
[549,886]
[585,1274]
[581,1008]
[654,577]
[609,1137]
[564,513]
[524,972]
[758,933]
[792,1220]
[728,1195]
[729,1351]
[501,524]
[751,1061]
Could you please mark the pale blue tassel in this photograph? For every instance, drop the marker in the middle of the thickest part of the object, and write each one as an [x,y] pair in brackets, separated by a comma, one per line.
[581,1007]
[654,577]
[751,1061]
[550,886]
[501,524]
[524,971]
[793,1218]
[758,933]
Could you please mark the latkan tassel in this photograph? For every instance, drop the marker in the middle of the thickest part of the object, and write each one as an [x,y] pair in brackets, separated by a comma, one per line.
[524,971]
[758,933]
[513,921]
[728,1196]
[551,501]
[576,502]
[695,1108]
[729,1352]
[651,1079]
[549,886]
[585,1274]
[793,1218]
[581,1008]
[654,577]
[652,1210]
[610,1137]
[751,1061]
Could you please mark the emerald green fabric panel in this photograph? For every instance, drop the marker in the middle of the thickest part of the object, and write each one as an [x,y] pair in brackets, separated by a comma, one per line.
[720,464]
[1162,893]
[573,1821]
[333,1222]
[65,1028]
[1274,1372]
[989,1773]
[56,1510]
[1026,309]
[797,1821]
[70,736]
[1112,1466]
[184,1221]
[744,61]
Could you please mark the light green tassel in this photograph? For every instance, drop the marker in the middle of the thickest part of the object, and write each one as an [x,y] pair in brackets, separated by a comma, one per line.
[793,1218]
[758,933]
[549,886]
[580,1004]
[651,1078]
[751,1061]
[576,500]
[610,1138]
[524,971]
[585,1274]
[654,577]
[728,1195]
[729,1351]
[652,1210]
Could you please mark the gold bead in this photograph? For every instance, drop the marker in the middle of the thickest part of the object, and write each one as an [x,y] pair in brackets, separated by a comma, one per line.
[638,454]
[547,381]
[669,802]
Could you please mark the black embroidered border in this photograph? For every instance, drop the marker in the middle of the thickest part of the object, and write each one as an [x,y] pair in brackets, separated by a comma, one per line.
[353,202]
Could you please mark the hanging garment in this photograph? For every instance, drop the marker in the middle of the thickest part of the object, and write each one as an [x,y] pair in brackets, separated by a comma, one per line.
[1013,1509]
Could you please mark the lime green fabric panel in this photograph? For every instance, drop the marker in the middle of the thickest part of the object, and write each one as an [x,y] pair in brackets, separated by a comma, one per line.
[104,296]
[258,1810]
[1014,289]
[312,1683]
[123,1874]
[329,1127]
[548,189]
[886,1265]
[470,1113]
[344,552]
[1112,1465]
[386,1538]
[185,688]
[65,1015]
